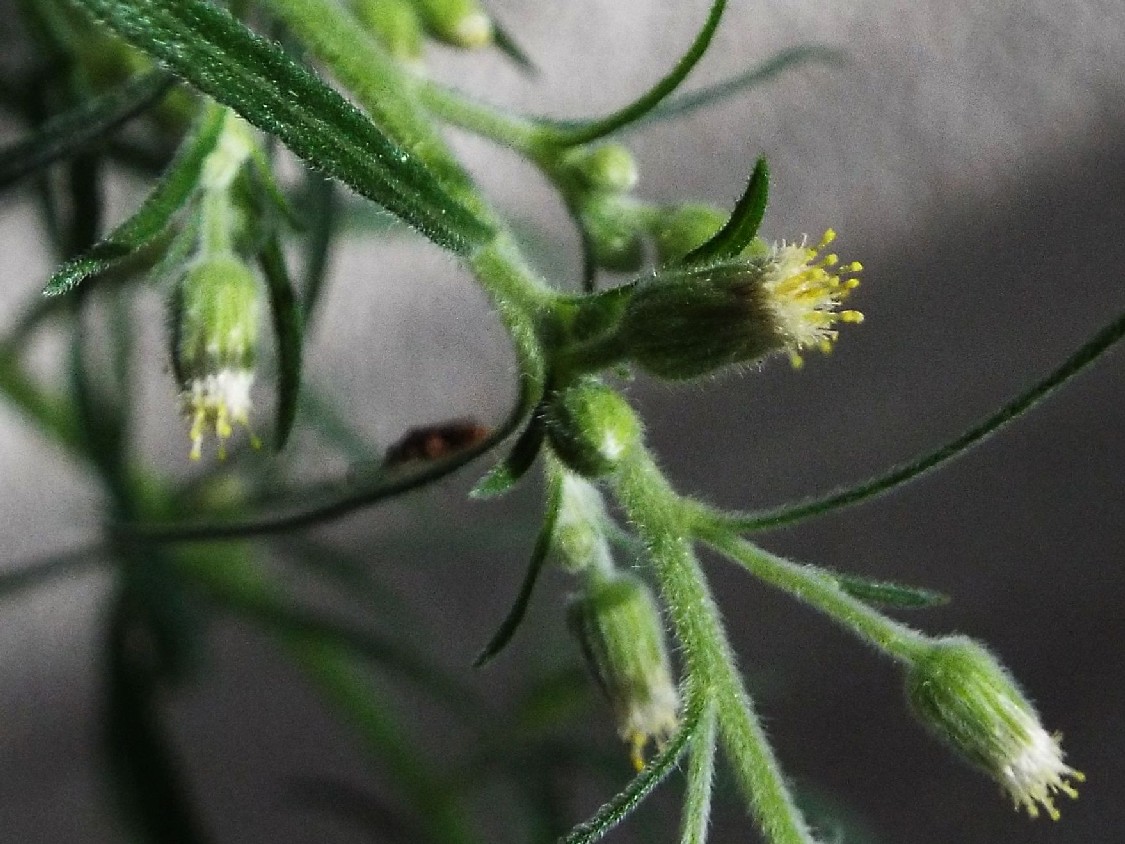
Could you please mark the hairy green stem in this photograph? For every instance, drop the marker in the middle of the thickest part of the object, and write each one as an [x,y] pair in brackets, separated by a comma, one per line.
[821,590]
[655,509]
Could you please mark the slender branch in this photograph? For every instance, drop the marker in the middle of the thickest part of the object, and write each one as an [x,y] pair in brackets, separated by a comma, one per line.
[904,473]
[821,590]
[655,509]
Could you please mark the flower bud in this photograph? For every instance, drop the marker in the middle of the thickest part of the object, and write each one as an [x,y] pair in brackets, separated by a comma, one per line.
[215,334]
[618,626]
[685,323]
[462,23]
[395,23]
[579,542]
[680,229]
[960,691]
[609,168]
[612,230]
[591,428]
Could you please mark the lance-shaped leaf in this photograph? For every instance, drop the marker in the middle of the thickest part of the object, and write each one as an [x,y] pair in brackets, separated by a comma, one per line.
[626,800]
[205,45]
[505,474]
[887,594]
[82,126]
[539,553]
[743,224]
[152,218]
[574,133]
[287,325]
[507,45]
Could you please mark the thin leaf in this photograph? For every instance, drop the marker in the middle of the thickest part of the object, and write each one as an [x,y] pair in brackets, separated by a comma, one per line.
[154,215]
[323,204]
[542,547]
[150,783]
[625,801]
[287,325]
[904,473]
[38,572]
[887,594]
[505,474]
[743,224]
[295,510]
[572,134]
[81,127]
[507,45]
[700,778]
[216,53]
[686,103]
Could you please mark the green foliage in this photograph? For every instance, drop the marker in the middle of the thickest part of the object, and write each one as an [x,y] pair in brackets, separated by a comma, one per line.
[713,297]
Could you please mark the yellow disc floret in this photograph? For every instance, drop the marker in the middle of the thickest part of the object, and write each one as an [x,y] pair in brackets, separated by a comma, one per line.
[804,290]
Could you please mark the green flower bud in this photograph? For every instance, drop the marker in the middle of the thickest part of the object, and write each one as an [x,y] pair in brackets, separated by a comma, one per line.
[965,696]
[618,626]
[591,428]
[680,229]
[612,228]
[609,168]
[215,336]
[685,323]
[462,23]
[395,23]
[579,541]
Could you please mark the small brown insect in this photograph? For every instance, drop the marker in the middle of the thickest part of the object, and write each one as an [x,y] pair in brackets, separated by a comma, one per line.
[433,442]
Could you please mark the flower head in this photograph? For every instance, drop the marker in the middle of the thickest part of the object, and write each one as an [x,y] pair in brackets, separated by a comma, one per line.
[804,291]
[688,322]
[619,628]
[215,316]
[965,696]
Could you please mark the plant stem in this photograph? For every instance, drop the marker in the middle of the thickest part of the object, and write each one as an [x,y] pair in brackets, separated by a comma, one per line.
[655,509]
[821,590]
[522,134]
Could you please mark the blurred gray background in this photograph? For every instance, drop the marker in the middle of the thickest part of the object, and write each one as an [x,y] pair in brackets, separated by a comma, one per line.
[970,155]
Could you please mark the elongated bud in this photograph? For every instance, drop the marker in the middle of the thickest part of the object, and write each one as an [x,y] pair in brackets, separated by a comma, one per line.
[579,541]
[960,691]
[618,626]
[591,428]
[609,168]
[462,23]
[215,321]
[395,23]
[685,323]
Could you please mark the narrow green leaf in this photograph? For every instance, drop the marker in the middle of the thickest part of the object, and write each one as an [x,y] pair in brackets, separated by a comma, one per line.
[150,784]
[216,53]
[287,326]
[572,134]
[785,60]
[154,215]
[507,45]
[323,203]
[740,229]
[38,572]
[887,594]
[630,797]
[904,473]
[505,474]
[542,547]
[81,127]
